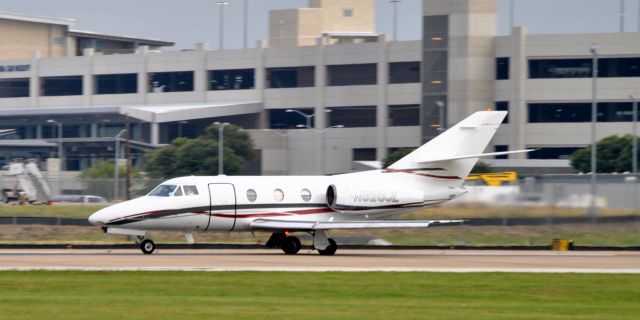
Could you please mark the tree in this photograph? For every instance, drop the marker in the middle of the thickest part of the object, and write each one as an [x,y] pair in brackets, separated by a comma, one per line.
[98,179]
[395,156]
[199,156]
[614,155]
[106,170]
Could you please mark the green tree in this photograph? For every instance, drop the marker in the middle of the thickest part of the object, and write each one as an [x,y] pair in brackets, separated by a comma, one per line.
[106,170]
[614,155]
[395,156]
[199,156]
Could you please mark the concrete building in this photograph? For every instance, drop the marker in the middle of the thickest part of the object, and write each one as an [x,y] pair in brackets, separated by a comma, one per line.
[329,21]
[24,36]
[292,96]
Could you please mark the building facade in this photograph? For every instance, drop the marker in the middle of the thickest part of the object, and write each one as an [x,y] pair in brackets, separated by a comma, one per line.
[316,108]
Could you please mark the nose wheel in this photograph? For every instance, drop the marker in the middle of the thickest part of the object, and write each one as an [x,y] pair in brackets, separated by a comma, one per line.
[147,246]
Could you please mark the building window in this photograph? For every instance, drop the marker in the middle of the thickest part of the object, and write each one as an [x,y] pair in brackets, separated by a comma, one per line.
[347,12]
[232,79]
[501,148]
[61,86]
[364,154]
[116,83]
[353,117]
[14,88]
[171,81]
[619,67]
[552,153]
[292,77]
[503,106]
[352,74]
[404,72]
[579,112]
[502,68]
[560,68]
[404,115]
[281,119]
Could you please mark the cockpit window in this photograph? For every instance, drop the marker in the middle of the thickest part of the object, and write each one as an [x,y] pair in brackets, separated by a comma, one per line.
[178,192]
[190,190]
[163,190]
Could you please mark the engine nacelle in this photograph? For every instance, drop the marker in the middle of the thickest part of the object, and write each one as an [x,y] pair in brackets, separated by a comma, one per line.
[345,198]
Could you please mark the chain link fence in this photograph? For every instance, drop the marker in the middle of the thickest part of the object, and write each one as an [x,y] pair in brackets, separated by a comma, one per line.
[532,212]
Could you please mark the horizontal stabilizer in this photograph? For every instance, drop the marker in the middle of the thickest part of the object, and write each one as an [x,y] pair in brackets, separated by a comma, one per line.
[468,156]
[268,224]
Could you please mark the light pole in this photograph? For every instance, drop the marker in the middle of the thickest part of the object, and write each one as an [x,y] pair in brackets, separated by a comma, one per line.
[221,146]
[634,136]
[307,117]
[283,135]
[442,127]
[322,151]
[621,16]
[395,18]
[245,22]
[594,119]
[221,4]
[51,121]
[116,175]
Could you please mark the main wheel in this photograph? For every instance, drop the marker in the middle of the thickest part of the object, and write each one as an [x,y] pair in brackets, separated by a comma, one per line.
[291,245]
[147,246]
[330,250]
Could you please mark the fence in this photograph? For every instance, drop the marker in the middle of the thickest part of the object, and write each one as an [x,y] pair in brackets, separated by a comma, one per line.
[530,213]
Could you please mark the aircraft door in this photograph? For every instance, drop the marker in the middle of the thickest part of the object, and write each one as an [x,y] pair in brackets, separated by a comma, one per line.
[222,207]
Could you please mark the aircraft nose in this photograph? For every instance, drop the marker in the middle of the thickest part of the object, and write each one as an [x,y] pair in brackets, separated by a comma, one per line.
[97,219]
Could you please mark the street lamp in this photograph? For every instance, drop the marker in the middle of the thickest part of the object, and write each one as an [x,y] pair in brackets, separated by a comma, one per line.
[634,135]
[322,153]
[221,4]
[221,146]
[395,18]
[116,175]
[51,121]
[594,119]
[308,117]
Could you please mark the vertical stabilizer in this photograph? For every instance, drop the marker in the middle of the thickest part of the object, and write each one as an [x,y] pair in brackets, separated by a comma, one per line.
[469,137]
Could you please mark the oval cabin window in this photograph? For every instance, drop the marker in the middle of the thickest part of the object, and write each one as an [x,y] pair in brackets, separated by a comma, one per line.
[251,195]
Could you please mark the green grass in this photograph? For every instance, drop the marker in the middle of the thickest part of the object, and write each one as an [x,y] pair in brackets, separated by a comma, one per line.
[56,210]
[277,295]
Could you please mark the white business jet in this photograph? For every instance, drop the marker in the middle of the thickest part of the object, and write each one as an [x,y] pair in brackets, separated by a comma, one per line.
[282,205]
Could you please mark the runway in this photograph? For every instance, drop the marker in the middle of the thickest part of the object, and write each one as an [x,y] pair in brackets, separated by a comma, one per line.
[307,260]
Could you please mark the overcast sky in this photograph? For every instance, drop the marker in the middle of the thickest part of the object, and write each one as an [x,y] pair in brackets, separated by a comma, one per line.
[187,22]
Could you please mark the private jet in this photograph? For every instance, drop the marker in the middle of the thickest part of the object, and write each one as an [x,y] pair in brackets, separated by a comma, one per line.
[285,205]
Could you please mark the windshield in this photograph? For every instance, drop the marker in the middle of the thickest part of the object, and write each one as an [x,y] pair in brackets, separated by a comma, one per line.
[163,190]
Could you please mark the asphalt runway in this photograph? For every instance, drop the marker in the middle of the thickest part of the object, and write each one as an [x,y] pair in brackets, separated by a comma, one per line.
[307,260]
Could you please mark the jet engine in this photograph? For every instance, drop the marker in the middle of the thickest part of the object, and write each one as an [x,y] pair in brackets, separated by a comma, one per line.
[346,198]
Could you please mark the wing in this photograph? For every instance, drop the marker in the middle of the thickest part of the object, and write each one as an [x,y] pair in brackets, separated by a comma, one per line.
[268,224]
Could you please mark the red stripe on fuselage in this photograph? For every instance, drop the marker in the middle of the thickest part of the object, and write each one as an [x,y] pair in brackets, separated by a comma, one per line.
[273,214]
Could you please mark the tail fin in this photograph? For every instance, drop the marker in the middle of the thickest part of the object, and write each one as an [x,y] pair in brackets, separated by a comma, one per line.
[456,150]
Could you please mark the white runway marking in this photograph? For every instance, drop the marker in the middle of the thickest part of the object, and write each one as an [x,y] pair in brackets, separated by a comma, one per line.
[331,269]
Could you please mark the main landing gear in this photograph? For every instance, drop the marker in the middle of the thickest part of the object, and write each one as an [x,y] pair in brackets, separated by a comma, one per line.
[146,245]
[292,245]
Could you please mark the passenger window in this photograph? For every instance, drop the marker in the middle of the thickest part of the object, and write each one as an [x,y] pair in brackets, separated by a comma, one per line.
[305,194]
[278,195]
[190,190]
[251,195]
[178,192]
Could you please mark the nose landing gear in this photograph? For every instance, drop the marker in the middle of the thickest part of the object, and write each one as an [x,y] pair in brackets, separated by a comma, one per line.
[146,245]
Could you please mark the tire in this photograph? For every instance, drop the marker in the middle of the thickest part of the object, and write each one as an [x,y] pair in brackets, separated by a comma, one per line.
[147,246]
[330,250]
[291,245]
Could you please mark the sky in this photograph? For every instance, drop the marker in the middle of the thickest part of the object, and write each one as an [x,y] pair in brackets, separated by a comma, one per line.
[187,22]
